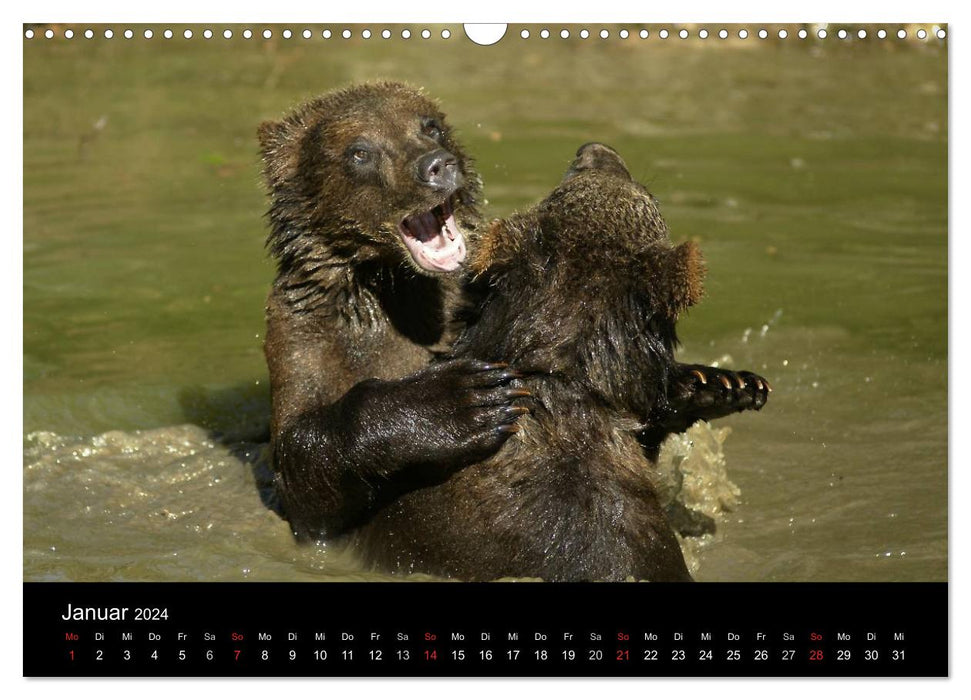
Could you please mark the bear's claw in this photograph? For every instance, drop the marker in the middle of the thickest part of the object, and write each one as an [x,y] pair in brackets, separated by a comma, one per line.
[701,397]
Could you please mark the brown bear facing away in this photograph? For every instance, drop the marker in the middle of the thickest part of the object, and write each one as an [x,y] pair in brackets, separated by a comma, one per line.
[373,210]
[583,292]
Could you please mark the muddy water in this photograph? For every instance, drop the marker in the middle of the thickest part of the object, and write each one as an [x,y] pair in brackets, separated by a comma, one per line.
[814,177]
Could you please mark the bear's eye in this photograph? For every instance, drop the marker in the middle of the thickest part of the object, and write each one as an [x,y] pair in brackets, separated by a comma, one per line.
[359,155]
[432,129]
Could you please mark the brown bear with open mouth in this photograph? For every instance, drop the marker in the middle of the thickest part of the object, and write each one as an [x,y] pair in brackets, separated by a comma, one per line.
[373,211]
[583,293]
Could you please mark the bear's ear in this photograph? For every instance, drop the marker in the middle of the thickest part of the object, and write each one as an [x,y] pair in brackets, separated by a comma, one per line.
[677,278]
[279,148]
[502,244]
[271,135]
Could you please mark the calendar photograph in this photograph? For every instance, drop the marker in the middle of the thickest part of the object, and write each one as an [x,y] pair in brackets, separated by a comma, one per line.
[548,302]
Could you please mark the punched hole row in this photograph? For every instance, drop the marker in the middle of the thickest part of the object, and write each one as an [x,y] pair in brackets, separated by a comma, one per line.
[820,33]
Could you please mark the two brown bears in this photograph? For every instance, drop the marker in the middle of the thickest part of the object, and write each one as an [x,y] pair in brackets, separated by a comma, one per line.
[398,384]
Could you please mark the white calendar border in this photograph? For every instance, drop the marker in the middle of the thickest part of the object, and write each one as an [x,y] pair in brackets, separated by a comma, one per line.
[601,11]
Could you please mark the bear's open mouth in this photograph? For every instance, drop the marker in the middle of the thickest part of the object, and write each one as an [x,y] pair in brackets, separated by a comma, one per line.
[433,238]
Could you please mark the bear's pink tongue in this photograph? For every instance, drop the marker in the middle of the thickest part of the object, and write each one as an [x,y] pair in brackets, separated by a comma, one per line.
[435,244]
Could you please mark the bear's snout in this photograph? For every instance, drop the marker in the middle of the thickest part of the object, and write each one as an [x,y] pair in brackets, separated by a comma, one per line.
[440,170]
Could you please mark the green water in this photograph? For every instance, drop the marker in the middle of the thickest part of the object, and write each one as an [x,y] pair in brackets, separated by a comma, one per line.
[813,175]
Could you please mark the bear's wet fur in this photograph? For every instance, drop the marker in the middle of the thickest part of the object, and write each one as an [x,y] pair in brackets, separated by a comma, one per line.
[374,207]
[582,295]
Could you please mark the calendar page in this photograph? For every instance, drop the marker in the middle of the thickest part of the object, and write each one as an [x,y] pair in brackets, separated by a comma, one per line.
[538,349]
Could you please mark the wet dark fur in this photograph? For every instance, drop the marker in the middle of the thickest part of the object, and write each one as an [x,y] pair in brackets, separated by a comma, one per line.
[583,294]
[352,321]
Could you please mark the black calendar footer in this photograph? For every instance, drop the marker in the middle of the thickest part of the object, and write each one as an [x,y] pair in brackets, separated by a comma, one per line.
[498,629]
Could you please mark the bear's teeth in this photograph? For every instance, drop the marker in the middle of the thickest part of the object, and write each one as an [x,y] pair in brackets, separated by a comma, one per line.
[439,216]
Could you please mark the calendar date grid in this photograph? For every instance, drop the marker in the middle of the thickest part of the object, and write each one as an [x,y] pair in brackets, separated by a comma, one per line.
[332,649]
